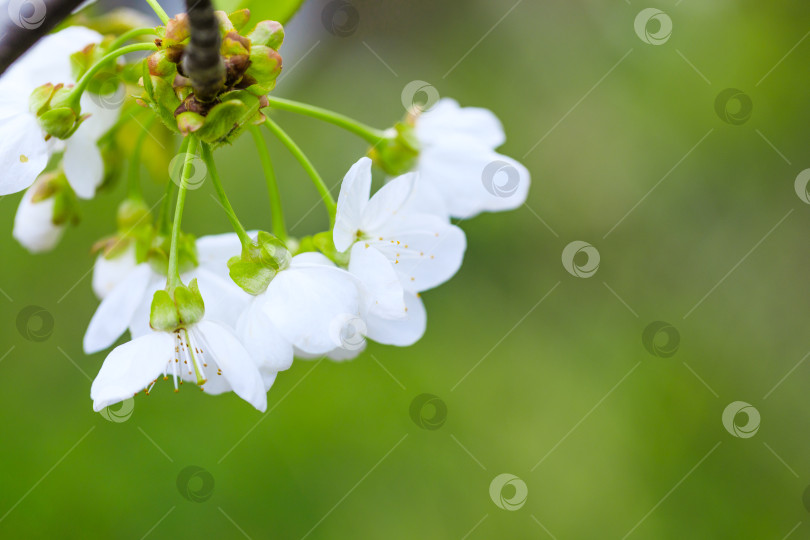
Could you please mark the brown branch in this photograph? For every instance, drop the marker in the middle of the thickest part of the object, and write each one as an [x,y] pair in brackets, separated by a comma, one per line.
[25,26]
[202,62]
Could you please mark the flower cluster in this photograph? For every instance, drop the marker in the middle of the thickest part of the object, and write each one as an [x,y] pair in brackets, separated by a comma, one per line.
[229,312]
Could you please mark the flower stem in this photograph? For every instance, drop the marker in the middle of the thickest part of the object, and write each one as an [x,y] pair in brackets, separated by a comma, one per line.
[126,36]
[133,173]
[81,86]
[158,11]
[276,211]
[174,269]
[285,139]
[208,159]
[370,134]
[165,215]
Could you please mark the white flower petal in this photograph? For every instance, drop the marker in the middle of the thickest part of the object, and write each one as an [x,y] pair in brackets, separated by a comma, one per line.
[116,311]
[108,273]
[238,369]
[387,202]
[268,348]
[426,199]
[380,281]
[310,304]
[425,250]
[472,179]
[130,368]
[82,164]
[354,194]
[33,224]
[401,332]
[446,121]
[224,300]
[23,152]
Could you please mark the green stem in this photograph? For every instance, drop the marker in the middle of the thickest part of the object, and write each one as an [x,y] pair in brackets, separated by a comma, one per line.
[126,36]
[81,86]
[328,200]
[158,11]
[174,270]
[208,158]
[165,208]
[276,211]
[372,135]
[133,173]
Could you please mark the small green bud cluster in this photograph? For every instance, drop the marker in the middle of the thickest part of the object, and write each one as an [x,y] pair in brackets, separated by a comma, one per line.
[252,64]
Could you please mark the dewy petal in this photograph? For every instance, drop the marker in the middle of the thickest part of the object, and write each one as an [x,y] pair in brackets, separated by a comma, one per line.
[33,224]
[379,279]
[473,179]
[268,348]
[387,202]
[108,273]
[446,121]
[310,304]
[402,332]
[238,369]
[130,368]
[116,311]
[352,201]
[23,152]
[425,250]
[82,164]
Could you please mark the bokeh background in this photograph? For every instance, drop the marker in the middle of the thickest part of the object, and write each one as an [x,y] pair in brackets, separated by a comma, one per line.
[544,375]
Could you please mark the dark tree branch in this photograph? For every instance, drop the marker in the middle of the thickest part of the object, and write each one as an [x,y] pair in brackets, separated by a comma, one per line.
[21,30]
[202,62]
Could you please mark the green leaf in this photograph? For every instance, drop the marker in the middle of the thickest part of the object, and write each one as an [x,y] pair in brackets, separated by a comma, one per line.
[260,10]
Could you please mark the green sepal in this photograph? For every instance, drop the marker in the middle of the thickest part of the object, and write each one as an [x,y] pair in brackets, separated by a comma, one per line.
[225,24]
[267,33]
[399,152]
[163,314]
[259,263]
[41,97]
[160,64]
[190,306]
[234,45]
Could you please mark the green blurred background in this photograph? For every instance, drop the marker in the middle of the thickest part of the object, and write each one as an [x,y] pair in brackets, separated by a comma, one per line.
[610,440]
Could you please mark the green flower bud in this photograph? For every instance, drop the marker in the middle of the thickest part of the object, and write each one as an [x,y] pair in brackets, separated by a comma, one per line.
[265,67]
[58,115]
[54,185]
[399,152]
[267,33]
[239,19]
[259,263]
